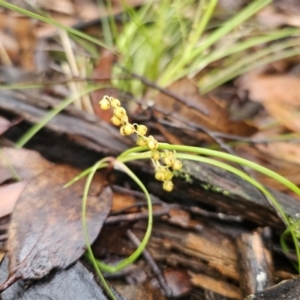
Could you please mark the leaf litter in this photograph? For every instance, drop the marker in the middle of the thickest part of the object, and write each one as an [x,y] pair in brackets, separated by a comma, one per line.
[190,113]
[70,284]
[45,231]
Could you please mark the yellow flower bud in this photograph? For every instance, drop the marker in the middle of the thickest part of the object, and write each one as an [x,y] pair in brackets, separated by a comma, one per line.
[120,112]
[124,119]
[115,102]
[104,104]
[116,121]
[155,155]
[152,144]
[141,130]
[128,129]
[169,175]
[168,186]
[141,141]
[169,160]
[177,165]
[160,175]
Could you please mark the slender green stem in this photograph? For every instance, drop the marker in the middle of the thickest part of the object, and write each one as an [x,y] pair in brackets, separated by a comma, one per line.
[213,37]
[203,15]
[85,231]
[233,158]
[52,22]
[120,166]
[255,183]
[204,60]
[10,166]
[251,62]
[142,153]
[273,202]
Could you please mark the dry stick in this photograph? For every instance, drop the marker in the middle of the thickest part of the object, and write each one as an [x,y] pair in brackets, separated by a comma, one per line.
[214,215]
[4,56]
[134,239]
[211,134]
[202,110]
[165,91]
[157,201]
[3,237]
[4,226]
[70,68]
[136,205]
[194,127]
[135,216]
[189,126]
[134,193]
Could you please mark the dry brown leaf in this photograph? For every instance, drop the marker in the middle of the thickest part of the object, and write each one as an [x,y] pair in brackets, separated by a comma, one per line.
[9,195]
[4,123]
[22,31]
[270,17]
[178,281]
[26,163]
[85,11]
[279,94]
[46,225]
[62,6]
[289,170]
[2,254]
[75,283]
[217,118]
[284,151]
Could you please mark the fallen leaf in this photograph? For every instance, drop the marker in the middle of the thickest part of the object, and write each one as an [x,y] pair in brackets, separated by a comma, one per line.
[26,163]
[270,17]
[9,195]
[75,283]
[285,151]
[178,281]
[46,228]
[22,31]
[2,254]
[4,125]
[279,94]
[289,170]
[216,119]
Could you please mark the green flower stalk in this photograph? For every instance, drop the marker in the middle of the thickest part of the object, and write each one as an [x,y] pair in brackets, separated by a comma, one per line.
[164,172]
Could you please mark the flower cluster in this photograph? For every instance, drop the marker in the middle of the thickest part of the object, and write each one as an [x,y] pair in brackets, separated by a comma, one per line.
[162,172]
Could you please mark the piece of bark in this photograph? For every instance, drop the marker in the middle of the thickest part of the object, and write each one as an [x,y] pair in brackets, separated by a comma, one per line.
[74,283]
[212,251]
[255,262]
[285,290]
[220,287]
[219,189]
[95,134]
[209,295]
